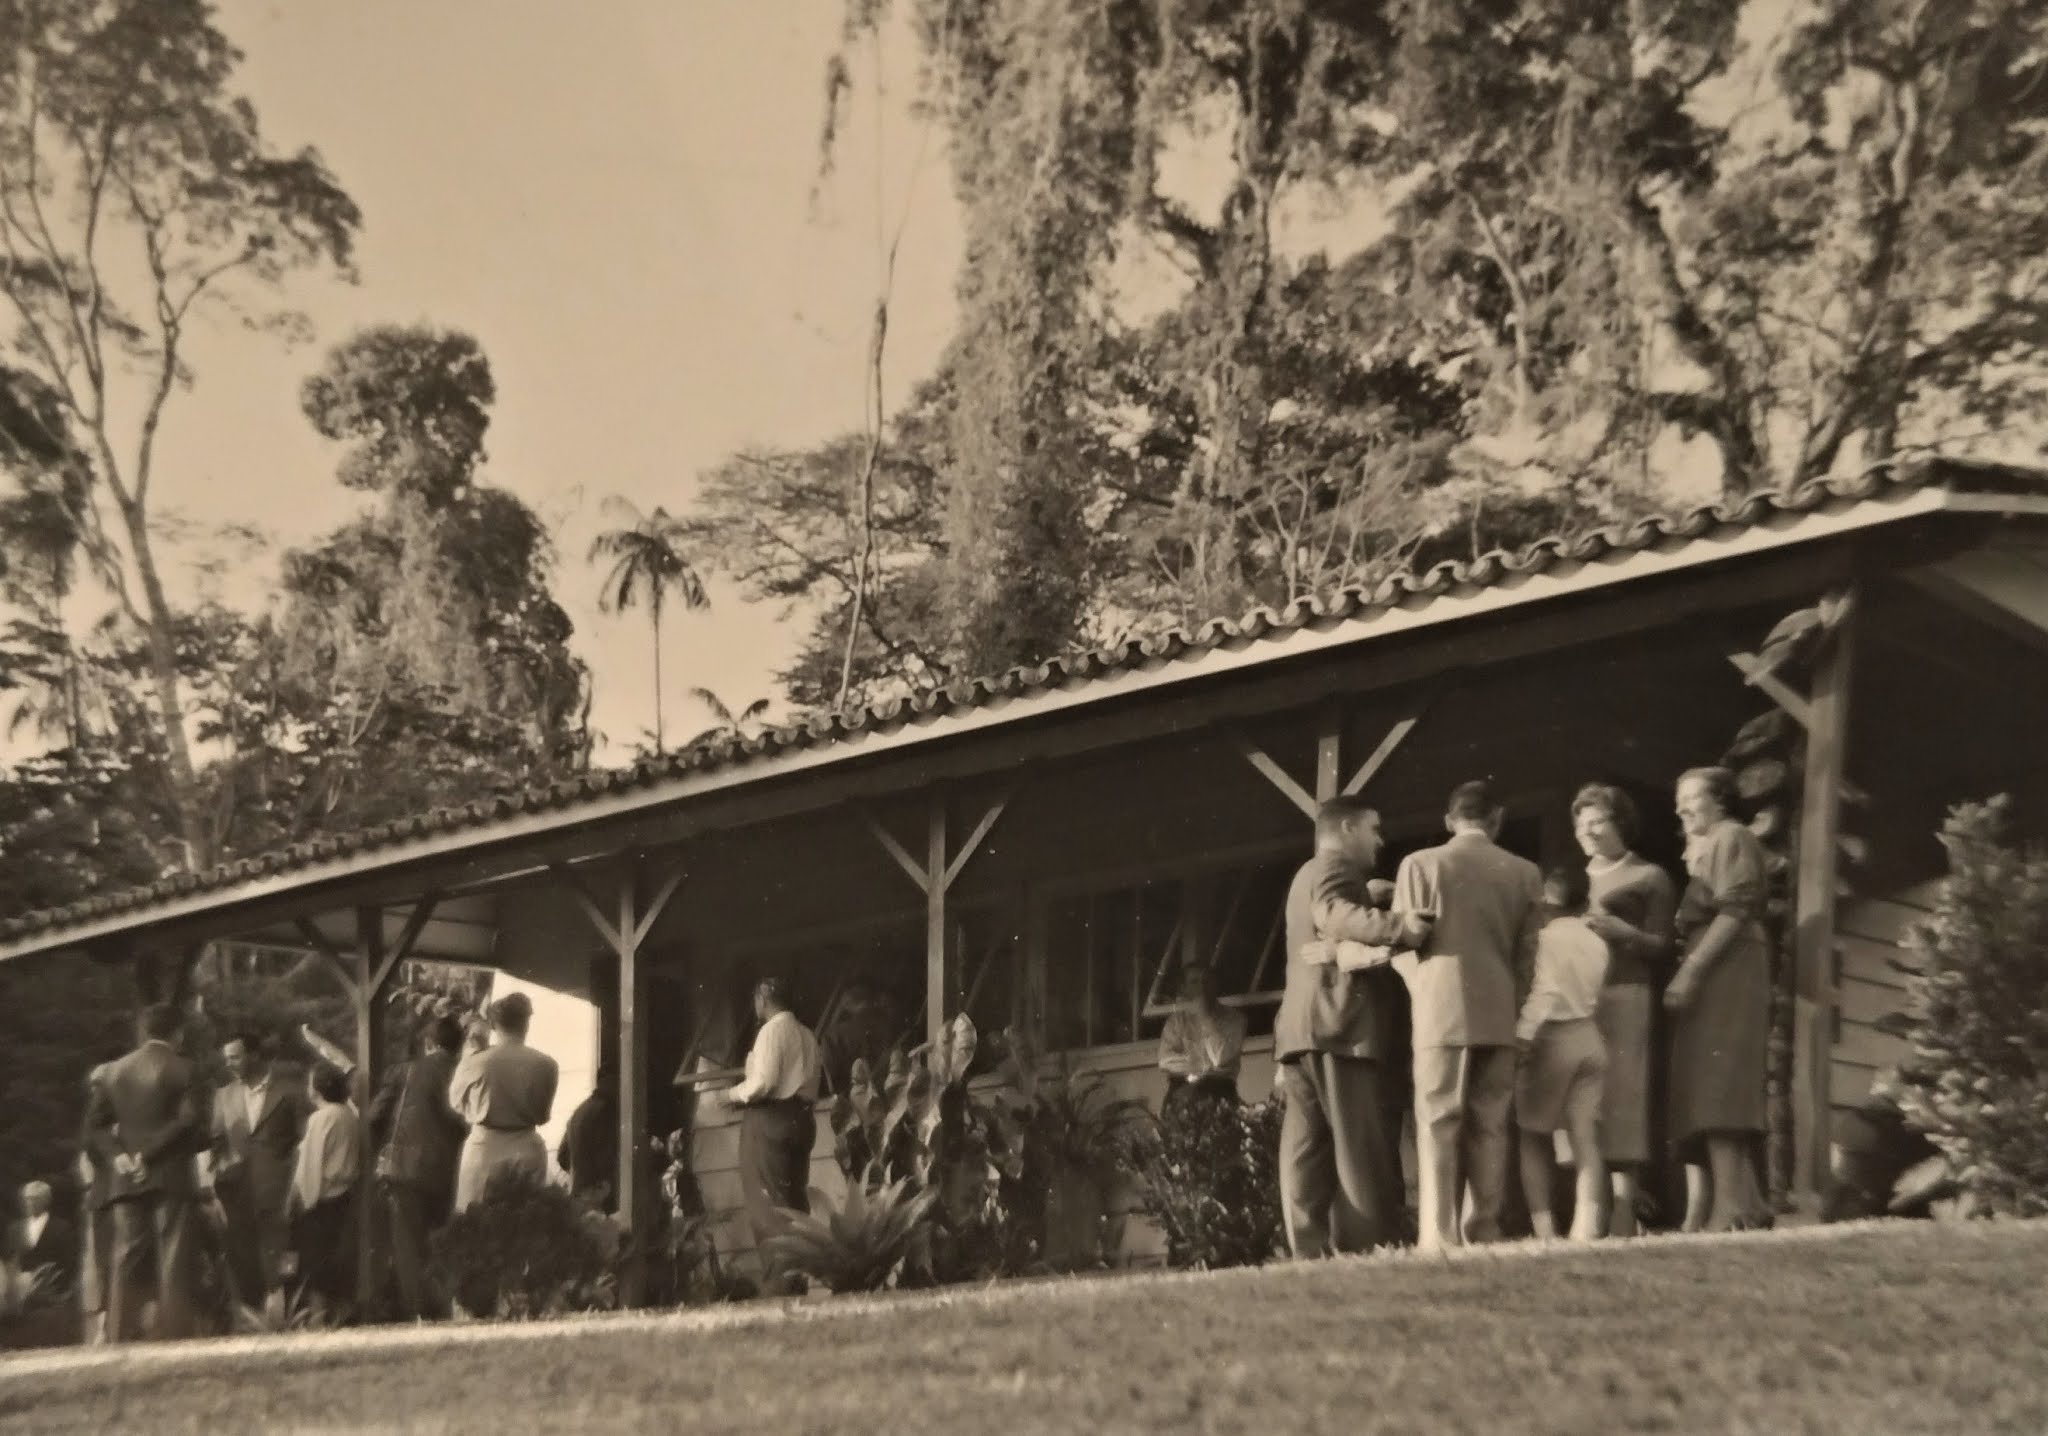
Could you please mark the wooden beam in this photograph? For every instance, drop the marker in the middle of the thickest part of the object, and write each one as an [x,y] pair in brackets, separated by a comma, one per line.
[345,971]
[370,961]
[934,917]
[657,904]
[1773,687]
[633,1213]
[974,839]
[917,872]
[615,938]
[1827,733]
[1271,771]
[1393,739]
[415,924]
[1329,751]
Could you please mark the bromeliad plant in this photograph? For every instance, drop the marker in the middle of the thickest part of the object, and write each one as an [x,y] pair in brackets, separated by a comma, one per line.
[871,1242]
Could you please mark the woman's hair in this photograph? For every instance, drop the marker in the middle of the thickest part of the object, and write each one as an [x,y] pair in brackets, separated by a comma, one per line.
[1568,887]
[1720,786]
[1619,807]
[330,1082]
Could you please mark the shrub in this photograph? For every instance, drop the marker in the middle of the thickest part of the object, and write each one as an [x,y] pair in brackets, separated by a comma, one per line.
[528,1250]
[1977,1082]
[871,1243]
[1208,1174]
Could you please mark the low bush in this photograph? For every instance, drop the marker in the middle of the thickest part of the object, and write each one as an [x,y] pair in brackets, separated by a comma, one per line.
[527,1250]
[1208,1175]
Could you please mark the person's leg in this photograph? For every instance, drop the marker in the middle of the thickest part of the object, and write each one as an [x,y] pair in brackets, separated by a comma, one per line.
[177,1308]
[1308,1173]
[1439,1089]
[132,1272]
[1538,1170]
[1729,1174]
[241,1244]
[1582,1128]
[1489,1093]
[1366,1212]
[1699,1194]
[408,1222]
[1623,1184]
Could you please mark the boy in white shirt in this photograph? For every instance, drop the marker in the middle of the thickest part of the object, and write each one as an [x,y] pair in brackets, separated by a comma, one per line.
[1563,1060]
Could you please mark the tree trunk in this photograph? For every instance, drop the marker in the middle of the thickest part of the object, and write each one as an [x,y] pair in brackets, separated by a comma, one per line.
[163,666]
[659,738]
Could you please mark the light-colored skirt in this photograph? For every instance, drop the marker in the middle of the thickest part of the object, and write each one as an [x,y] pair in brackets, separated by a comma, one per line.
[488,1152]
[1624,1016]
[1561,1075]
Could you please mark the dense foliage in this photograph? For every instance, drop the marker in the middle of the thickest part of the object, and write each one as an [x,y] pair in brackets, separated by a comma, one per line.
[527,1250]
[1977,1081]
[1208,1176]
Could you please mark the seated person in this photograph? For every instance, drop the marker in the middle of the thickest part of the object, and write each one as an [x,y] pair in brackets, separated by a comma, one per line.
[1202,1043]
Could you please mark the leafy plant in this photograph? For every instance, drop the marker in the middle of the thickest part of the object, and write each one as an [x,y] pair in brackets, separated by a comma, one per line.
[871,1242]
[1208,1174]
[297,1309]
[526,1250]
[683,1266]
[1977,1082]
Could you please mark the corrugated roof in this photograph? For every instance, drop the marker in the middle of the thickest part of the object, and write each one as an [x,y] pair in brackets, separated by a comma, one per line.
[1347,607]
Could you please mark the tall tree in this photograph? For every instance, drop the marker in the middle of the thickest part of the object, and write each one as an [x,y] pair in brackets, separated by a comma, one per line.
[136,194]
[649,561]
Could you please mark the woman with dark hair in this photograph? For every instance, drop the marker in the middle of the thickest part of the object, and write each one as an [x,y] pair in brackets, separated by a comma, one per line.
[1632,902]
[1721,998]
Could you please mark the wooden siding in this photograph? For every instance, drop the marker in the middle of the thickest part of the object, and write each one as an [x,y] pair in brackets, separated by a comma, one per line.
[1870,939]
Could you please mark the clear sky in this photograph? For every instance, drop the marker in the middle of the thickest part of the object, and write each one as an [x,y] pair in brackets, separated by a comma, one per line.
[616,200]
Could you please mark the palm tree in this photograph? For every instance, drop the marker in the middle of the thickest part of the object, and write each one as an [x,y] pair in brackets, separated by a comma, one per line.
[647,562]
[737,725]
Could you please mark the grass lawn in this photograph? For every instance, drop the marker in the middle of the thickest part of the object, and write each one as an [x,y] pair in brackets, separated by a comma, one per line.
[1880,1329]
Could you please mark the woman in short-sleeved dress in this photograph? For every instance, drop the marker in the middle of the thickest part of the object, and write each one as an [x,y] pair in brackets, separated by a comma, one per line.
[1632,900]
[1720,997]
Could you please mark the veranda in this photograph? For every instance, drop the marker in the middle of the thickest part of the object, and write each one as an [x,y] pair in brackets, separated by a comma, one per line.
[1043,848]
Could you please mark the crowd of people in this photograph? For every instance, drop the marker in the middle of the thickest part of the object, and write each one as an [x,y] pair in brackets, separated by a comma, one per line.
[260,1180]
[1471,991]
[1485,995]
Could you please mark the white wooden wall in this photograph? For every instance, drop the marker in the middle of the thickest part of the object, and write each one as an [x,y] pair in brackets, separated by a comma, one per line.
[1871,934]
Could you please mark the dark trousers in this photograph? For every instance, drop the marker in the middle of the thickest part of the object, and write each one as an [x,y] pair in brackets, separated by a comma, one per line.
[415,1214]
[775,1161]
[152,1259]
[322,1238]
[1340,1156]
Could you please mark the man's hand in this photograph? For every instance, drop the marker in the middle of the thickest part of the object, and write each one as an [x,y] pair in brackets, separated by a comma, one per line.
[1523,1046]
[127,1164]
[1380,891]
[1318,953]
[1416,927]
[1358,956]
[1609,928]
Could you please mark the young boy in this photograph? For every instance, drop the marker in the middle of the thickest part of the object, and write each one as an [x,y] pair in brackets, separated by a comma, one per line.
[1563,1060]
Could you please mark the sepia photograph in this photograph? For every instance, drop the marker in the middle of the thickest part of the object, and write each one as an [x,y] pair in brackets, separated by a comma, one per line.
[1069,716]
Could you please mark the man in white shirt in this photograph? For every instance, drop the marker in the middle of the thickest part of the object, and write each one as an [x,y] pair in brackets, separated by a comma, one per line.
[506,1093]
[258,1117]
[321,1202]
[778,1120]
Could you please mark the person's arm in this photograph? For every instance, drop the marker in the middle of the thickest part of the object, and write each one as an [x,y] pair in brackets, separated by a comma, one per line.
[760,1070]
[304,1193]
[102,1137]
[1174,1057]
[185,1134]
[1531,934]
[1733,870]
[565,1155]
[1543,1000]
[1231,1026]
[465,1088]
[1343,912]
[384,1106]
[1415,898]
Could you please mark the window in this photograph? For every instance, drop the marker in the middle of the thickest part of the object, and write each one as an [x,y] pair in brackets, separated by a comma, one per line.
[1102,951]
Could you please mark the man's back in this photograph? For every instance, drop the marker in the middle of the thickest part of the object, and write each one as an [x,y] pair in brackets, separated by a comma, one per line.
[148,1095]
[422,1132]
[1487,904]
[1324,1009]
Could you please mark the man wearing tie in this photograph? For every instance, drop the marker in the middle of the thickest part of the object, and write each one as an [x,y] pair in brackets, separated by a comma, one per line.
[257,1124]
[147,1125]
[778,1121]
[1488,906]
[506,1093]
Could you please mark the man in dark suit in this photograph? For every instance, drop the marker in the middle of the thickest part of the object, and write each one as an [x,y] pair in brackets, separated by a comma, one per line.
[419,1137]
[258,1118]
[148,1126]
[590,1144]
[1334,1039]
[1487,906]
[41,1238]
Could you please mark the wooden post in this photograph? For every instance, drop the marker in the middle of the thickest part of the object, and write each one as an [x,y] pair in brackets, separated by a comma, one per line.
[370,975]
[632,1078]
[1820,812]
[1329,752]
[635,918]
[935,919]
